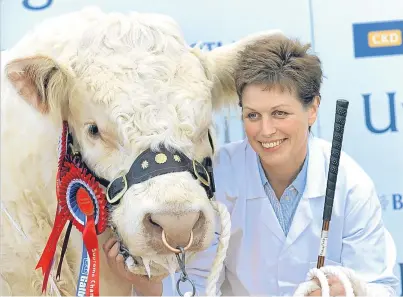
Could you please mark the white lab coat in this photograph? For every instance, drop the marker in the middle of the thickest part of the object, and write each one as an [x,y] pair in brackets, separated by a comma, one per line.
[261,260]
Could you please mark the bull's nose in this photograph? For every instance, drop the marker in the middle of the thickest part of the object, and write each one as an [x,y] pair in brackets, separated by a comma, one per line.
[177,228]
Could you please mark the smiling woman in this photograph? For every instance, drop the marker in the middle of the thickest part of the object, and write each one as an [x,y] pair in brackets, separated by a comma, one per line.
[279,96]
[274,186]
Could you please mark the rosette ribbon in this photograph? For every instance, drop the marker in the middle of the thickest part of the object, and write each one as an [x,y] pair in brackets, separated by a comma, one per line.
[82,203]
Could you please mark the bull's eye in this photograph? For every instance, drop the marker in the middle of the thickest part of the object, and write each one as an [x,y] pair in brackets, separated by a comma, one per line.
[93,130]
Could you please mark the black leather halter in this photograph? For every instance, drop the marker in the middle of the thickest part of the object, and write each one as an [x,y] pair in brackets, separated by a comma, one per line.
[154,163]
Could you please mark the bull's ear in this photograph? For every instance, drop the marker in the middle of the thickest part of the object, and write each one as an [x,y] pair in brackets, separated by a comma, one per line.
[40,81]
[220,65]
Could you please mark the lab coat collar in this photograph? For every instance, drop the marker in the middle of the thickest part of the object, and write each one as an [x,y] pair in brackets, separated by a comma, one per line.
[298,183]
[316,177]
[315,180]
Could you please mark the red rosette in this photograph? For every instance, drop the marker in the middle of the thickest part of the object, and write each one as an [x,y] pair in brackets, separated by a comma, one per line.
[76,179]
[80,201]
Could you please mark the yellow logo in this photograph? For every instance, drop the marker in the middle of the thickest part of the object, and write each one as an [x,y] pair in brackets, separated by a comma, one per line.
[385,38]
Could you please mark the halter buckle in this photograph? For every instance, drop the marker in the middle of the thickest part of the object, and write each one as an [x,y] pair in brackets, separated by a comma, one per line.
[119,195]
[199,177]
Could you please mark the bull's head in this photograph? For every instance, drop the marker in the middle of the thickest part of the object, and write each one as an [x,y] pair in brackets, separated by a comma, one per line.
[138,100]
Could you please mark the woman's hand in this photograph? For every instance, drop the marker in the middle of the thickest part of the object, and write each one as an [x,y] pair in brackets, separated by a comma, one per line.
[142,284]
[336,288]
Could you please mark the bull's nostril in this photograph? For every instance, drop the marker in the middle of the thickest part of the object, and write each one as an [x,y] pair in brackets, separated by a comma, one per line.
[152,222]
[177,227]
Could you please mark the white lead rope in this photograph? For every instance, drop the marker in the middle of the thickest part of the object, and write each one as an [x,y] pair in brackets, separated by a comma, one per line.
[17,227]
[322,275]
[218,264]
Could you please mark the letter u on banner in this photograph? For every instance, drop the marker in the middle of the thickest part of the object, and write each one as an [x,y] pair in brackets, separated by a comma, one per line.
[27,4]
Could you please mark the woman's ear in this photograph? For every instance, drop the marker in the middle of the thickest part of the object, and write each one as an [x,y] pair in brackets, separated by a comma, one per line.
[313,110]
[41,82]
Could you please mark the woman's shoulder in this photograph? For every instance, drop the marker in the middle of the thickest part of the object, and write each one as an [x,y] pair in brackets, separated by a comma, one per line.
[349,170]
[230,152]
[325,147]
[229,169]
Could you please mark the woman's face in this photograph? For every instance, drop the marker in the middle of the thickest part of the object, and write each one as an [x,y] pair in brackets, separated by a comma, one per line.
[276,124]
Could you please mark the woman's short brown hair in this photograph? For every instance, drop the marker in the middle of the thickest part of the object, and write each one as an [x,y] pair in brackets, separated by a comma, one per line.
[277,61]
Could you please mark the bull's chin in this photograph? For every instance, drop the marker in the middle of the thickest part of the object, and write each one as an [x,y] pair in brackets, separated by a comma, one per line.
[155,265]
[154,270]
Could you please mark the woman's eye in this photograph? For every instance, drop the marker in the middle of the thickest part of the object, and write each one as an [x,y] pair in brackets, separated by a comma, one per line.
[252,115]
[93,130]
[280,113]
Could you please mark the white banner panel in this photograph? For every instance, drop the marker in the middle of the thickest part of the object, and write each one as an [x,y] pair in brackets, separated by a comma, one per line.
[360,44]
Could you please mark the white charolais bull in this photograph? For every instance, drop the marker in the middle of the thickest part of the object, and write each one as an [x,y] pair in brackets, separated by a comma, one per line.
[124,83]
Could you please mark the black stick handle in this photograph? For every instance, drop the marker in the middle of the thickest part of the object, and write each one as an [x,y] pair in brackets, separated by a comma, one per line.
[338,132]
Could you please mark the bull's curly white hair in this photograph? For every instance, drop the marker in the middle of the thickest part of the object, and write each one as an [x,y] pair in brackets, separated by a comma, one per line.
[124,83]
